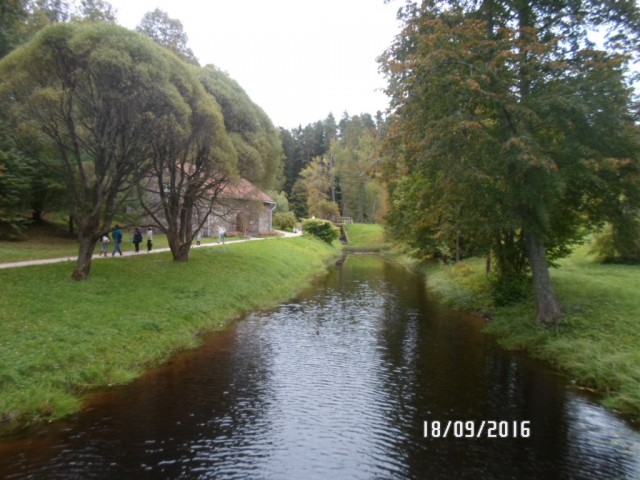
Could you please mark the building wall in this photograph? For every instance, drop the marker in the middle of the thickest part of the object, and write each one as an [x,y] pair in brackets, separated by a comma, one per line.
[244,216]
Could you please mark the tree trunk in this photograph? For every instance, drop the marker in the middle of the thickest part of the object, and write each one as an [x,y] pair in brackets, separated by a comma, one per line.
[181,253]
[83,264]
[547,305]
[179,249]
[36,215]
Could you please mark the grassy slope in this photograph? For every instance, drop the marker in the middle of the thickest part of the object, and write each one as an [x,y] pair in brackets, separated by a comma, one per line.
[60,337]
[47,241]
[363,235]
[598,342]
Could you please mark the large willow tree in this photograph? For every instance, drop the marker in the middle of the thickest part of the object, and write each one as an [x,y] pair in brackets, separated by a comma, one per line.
[103,99]
[189,160]
[510,129]
[255,139]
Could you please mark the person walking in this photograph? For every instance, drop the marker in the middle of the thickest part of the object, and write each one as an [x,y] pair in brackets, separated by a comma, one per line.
[104,244]
[137,239]
[221,232]
[149,239]
[117,241]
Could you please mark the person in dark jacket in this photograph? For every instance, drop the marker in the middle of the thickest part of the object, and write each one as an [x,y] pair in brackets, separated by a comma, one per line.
[117,241]
[137,239]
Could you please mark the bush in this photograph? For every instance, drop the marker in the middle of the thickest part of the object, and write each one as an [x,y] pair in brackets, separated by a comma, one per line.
[284,220]
[323,229]
[508,288]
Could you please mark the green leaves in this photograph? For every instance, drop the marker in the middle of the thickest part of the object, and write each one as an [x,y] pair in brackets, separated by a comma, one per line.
[322,229]
[167,32]
[255,139]
[505,125]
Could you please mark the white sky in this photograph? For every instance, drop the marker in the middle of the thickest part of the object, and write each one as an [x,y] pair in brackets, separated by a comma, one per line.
[299,60]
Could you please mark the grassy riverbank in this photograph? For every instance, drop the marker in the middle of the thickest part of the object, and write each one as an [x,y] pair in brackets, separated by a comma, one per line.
[365,236]
[597,345]
[60,337]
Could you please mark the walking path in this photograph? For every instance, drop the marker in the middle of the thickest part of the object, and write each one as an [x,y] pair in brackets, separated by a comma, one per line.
[27,263]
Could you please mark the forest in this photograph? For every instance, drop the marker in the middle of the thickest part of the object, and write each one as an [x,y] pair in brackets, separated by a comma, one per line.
[512,134]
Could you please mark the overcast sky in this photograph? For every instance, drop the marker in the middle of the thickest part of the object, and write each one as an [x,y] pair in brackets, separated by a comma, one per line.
[297,59]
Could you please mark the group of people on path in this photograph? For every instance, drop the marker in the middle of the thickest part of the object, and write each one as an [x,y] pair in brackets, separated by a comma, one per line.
[137,240]
[117,241]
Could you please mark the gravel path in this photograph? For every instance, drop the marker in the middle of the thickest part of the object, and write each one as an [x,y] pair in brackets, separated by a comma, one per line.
[27,263]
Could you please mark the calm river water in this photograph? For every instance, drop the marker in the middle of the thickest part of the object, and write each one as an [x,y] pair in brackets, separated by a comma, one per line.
[338,384]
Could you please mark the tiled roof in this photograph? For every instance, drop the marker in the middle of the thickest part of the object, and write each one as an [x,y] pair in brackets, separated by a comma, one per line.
[245,190]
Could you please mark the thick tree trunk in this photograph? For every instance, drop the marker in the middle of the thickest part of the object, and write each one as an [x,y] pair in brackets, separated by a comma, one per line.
[83,264]
[36,215]
[179,250]
[181,253]
[547,304]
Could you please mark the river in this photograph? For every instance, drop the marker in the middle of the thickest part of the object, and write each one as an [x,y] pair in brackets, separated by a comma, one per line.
[362,376]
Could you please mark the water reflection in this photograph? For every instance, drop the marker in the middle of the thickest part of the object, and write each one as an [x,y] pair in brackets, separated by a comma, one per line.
[336,385]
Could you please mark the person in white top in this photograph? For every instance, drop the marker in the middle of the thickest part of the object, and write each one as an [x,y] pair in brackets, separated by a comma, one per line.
[104,244]
[221,232]
[149,239]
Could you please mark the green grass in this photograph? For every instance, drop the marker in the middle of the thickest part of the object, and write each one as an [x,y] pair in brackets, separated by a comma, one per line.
[60,337]
[46,241]
[597,344]
[365,236]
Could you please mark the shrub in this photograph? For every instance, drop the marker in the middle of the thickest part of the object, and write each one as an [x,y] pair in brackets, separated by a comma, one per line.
[284,220]
[323,229]
[508,288]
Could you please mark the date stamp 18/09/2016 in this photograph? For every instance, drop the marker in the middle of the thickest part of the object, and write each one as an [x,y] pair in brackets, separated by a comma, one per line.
[477,429]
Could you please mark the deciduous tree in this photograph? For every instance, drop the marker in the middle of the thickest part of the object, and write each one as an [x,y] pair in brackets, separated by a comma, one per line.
[167,32]
[355,153]
[96,11]
[189,161]
[257,143]
[319,180]
[510,128]
[96,95]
